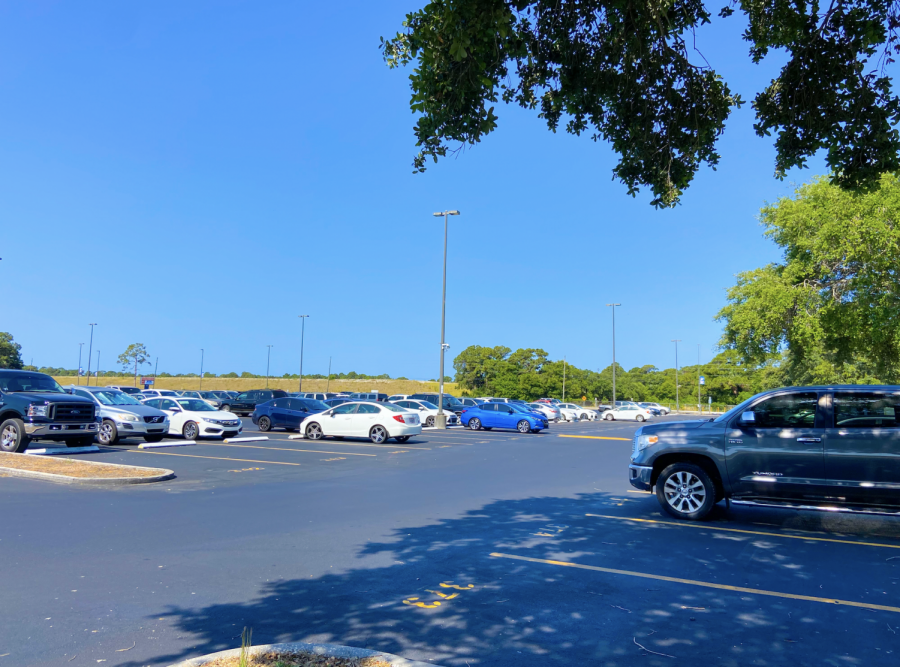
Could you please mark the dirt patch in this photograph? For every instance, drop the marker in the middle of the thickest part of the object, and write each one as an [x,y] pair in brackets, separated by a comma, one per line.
[71,468]
[297,660]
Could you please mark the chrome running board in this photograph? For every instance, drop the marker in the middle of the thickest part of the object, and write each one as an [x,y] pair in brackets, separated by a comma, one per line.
[837,509]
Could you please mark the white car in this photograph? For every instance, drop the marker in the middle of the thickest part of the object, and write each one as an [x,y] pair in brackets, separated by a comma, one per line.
[375,421]
[628,412]
[427,412]
[195,418]
[551,412]
[153,393]
[583,413]
[656,406]
[567,414]
[398,397]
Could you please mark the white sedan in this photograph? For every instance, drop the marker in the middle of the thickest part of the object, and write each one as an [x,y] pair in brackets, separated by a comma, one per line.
[633,412]
[583,413]
[427,412]
[195,418]
[375,421]
[567,414]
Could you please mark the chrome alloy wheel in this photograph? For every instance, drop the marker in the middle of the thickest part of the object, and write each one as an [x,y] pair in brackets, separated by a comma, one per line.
[9,438]
[105,436]
[685,492]
[378,434]
[523,426]
[190,431]
[314,432]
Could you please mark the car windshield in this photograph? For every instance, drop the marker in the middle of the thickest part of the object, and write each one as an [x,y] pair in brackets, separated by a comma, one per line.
[315,406]
[195,405]
[428,404]
[13,382]
[517,408]
[115,398]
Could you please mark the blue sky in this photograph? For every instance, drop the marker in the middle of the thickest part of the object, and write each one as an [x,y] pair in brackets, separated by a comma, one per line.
[197,174]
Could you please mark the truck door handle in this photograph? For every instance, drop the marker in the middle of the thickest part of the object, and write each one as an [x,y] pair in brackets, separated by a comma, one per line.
[809,439]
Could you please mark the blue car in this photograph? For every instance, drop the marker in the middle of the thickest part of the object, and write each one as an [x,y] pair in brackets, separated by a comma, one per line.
[285,412]
[502,415]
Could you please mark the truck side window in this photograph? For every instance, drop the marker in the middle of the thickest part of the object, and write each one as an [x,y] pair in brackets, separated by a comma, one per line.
[865,410]
[787,411]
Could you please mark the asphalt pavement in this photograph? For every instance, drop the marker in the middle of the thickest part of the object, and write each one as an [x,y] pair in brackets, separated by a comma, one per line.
[458,547]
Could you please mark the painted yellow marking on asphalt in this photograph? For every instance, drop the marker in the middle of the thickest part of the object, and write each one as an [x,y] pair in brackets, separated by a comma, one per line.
[702,584]
[246,469]
[217,458]
[646,493]
[747,532]
[594,437]
[335,458]
[358,444]
[283,449]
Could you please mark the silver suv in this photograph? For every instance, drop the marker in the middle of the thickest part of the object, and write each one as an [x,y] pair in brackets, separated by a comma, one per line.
[123,415]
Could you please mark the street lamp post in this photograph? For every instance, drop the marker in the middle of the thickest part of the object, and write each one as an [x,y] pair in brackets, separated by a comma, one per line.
[268,358]
[676,341]
[78,372]
[202,352]
[613,305]
[302,335]
[440,420]
[90,349]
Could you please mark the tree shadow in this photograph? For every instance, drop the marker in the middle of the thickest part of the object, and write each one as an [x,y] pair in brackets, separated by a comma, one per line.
[446,599]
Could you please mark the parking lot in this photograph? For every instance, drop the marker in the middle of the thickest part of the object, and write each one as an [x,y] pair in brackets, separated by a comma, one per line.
[458,547]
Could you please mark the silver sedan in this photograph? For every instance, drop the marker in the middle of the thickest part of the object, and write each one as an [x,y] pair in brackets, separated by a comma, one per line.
[549,411]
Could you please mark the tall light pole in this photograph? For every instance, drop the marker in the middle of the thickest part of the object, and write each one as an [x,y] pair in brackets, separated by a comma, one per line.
[90,349]
[202,352]
[302,335]
[78,372]
[268,358]
[676,341]
[613,305]
[440,420]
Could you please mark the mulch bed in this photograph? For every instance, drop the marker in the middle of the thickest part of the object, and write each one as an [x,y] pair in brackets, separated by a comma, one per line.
[71,468]
[297,660]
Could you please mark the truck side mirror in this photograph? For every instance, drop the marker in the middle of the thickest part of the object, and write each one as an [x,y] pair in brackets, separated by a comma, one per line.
[748,417]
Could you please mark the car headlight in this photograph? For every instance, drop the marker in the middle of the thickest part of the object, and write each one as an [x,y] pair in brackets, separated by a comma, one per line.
[35,410]
[125,417]
[645,441]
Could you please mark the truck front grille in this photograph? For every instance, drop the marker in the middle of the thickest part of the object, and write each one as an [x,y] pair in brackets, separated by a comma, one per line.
[72,412]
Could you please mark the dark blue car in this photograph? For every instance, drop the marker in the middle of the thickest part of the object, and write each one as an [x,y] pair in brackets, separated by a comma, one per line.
[286,413]
[503,415]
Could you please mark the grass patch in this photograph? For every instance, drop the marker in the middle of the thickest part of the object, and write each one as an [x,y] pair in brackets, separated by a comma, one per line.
[296,660]
[245,384]
[70,468]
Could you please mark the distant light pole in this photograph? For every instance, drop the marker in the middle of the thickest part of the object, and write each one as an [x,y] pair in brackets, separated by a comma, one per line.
[78,372]
[268,358]
[613,305]
[302,334]
[201,368]
[676,341]
[440,420]
[90,349]
[328,381]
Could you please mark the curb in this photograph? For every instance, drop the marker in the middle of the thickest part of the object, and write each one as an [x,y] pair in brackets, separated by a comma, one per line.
[327,650]
[56,451]
[91,481]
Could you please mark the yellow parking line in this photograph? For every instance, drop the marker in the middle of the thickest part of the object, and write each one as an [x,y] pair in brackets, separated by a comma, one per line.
[282,449]
[747,532]
[594,437]
[345,443]
[217,458]
[703,584]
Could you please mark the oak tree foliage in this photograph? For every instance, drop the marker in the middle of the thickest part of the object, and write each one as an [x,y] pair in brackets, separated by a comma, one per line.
[10,352]
[629,72]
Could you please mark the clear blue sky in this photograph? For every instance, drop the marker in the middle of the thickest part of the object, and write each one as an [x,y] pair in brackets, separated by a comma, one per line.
[196,174]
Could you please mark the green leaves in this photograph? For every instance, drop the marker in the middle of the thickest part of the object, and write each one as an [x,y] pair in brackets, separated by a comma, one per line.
[623,71]
[10,351]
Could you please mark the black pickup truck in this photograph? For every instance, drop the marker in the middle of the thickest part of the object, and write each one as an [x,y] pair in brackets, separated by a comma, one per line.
[34,407]
[826,448]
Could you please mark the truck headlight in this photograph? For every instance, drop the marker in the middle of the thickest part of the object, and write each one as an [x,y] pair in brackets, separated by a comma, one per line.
[125,417]
[35,410]
[645,441]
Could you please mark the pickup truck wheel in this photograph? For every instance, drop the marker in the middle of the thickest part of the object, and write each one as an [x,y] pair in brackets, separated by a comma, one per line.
[685,491]
[108,433]
[12,436]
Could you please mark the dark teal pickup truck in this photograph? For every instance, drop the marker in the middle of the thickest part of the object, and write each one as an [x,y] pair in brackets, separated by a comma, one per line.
[34,407]
[824,448]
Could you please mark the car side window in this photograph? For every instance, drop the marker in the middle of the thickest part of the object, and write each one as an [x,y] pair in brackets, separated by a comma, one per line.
[865,410]
[168,404]
[243,397]
[490,407]
[368,409]
[153,403]
[280,403]
[787,411]
[346,409]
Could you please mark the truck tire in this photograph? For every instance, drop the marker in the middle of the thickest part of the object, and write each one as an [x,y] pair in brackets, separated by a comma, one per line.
[12,436]
[108,433]
[685,491]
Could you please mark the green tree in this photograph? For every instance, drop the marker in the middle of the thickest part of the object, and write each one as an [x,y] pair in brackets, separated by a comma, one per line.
[629,73]
[134,355]
[10,352]
[829,310]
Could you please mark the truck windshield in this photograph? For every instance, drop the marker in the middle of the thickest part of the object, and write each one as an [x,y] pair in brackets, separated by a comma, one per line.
[13,382]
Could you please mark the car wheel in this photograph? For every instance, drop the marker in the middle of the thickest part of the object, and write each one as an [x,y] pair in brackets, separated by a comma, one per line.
[225,408]
[609,418]
[378,434]
[402,438]
[190,431]
[264,424]
[429,421]
[639,418]
[12,436]
[685,491]
[475,424]
[108,433]
[153,438]
[523,426]
[314,432]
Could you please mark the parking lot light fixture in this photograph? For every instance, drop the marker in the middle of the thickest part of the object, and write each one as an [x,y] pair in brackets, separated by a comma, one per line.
[302,336]
[90,351]
[268,358]
[440,420]
[613,305]
[676,341]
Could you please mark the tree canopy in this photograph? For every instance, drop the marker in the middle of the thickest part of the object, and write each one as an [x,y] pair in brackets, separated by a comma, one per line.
[10,352]
[832,305]
[629,72]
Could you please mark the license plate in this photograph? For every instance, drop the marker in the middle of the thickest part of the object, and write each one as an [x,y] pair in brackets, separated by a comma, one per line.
[413,420]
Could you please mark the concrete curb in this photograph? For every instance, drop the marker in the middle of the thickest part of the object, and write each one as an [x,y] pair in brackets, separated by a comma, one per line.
[328,650]
[163,475]
[58,451]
